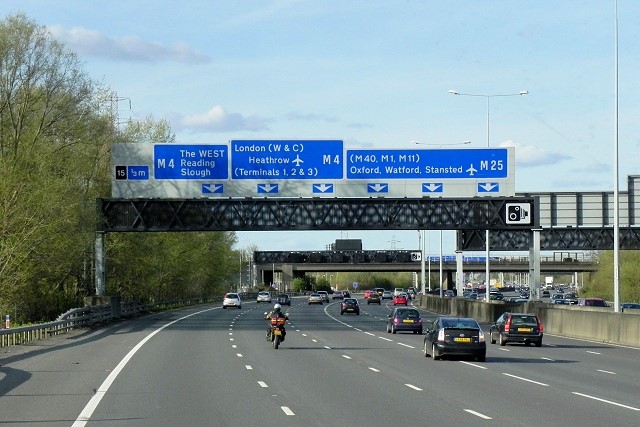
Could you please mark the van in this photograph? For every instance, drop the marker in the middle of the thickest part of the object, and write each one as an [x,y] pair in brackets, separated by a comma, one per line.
[592,302]
[398,291]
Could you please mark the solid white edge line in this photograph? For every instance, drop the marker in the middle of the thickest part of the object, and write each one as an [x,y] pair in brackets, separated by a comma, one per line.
[605,372]
[413,387]
[525,379]
[606,401]
[478,414]
[286,410]
[93,403]
[593,352]
[405,345]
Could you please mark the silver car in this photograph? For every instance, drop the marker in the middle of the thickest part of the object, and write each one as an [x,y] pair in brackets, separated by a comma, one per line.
[231,299]
[263,297]
[315,298]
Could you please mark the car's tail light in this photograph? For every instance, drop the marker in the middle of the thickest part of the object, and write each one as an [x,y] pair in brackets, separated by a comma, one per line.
[419,321]
[441,335]
[396,320]
[480,335]
[507,326]
[540,327]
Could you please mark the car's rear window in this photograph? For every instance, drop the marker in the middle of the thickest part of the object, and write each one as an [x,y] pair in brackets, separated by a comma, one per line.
[460,323]
[524,320]
[231,296]
[408,314]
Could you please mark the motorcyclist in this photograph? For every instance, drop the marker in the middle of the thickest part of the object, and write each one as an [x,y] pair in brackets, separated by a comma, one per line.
[276,312]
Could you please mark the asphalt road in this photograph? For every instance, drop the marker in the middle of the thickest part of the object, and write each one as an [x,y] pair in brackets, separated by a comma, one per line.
[206,366]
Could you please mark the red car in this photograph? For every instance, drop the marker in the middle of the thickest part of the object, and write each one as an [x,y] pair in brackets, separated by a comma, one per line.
[401,299]
[367,294]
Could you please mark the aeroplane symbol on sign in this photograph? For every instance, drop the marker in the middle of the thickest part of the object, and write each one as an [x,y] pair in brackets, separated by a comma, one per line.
[471,170]
[297,160]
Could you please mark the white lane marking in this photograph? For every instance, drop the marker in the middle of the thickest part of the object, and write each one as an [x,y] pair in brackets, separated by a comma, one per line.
[606,401]
[249,367]
[230,333]
[546,358]
[263,384]
[359,330]
[230,339]
[478,414]
[386,339]
[286,410]
[327,347]
[406,345]
[93,403]
[474,365]
[314,340]
[304,335]
[374,369]
[369,333]
[234,346]
[550,345]
[605,372]
[346,357]
[297,330]
[593,352]
[413,387]
[525,379]
[504,349]
[239,354]
[231,329]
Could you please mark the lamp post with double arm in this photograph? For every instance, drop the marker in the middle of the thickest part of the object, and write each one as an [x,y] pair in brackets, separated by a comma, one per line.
[487,242]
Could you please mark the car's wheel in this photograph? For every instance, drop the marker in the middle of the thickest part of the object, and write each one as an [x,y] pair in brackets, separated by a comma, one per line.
[434,354]
[358,313]
[425,350]
[502,340]
[527,343]
[393,329]
[481,357]
[388,330]
[492,339]
[239,307]
[224,307]
[539,343]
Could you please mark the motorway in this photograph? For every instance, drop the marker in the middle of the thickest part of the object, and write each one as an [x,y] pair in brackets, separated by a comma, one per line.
[205,366]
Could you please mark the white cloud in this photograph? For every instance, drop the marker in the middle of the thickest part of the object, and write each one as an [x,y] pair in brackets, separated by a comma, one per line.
[530,155]
[93,43]
[218,119]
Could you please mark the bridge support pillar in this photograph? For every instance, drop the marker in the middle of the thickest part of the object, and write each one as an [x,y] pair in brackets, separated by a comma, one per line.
[459,273]
[534,264]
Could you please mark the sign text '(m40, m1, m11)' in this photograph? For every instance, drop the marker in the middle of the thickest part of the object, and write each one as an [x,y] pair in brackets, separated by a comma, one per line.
[173,161]
[440,164]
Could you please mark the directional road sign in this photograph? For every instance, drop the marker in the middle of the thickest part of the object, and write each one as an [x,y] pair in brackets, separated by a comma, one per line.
[431,164]
[193,162]
[286,159]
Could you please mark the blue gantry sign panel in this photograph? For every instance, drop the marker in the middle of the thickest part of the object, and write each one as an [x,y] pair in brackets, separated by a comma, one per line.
[287,159]
[430,164]
[192,162]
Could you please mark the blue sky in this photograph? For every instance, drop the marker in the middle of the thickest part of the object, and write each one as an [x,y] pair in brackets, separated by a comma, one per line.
[375,74]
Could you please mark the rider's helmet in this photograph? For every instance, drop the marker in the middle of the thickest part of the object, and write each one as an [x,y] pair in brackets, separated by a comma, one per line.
[276,308]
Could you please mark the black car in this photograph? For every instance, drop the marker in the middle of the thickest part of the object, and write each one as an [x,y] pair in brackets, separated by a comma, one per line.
[374,298]
[404,319]
[517,327]
[349,305]
[284,299]
[455,336]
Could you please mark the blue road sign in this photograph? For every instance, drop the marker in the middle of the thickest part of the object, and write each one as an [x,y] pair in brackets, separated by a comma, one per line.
[432,187]
[211,188]
[487,163]
[287,159]
[488,187]
[323,189]
[138,173]
[267,188]
[190,162]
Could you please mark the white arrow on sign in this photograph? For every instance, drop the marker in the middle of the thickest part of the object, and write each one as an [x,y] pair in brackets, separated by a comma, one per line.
[323,188]
[212,188]
[488,187]
[378,188]
[267,188]
[432,187]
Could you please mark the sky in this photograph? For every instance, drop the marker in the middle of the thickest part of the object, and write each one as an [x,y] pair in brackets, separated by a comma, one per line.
[375,74]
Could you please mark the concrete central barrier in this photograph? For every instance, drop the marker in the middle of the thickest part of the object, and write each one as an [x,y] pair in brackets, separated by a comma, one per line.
[592,323]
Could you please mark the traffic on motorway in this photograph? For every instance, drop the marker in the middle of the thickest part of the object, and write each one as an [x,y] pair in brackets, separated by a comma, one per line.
[206,365]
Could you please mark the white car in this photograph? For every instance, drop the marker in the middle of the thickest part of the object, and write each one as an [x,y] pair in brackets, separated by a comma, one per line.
[263,297]
[231,300]
[398,291]
[325,295]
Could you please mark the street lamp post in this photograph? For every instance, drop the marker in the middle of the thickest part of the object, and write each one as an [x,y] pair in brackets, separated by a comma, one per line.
[487,242]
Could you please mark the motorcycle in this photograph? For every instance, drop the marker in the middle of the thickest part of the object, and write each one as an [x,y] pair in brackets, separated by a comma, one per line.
[276,332]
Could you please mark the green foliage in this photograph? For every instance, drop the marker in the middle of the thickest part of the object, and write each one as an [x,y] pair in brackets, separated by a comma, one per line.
[322,284]
[56,131]
[300,285]
[600,283]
